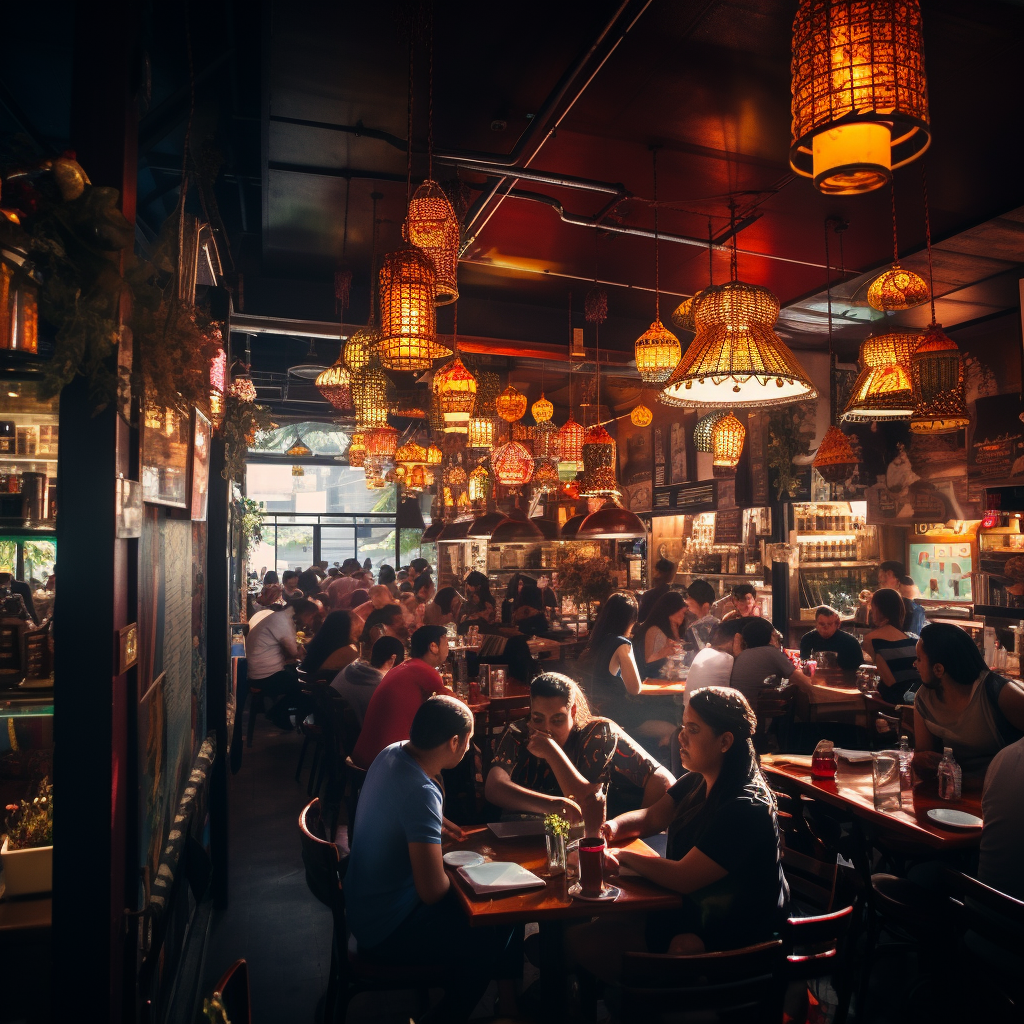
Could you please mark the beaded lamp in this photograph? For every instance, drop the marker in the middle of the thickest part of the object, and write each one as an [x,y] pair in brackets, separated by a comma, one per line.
[598,480]
[545,476]
[431,225]
[938,376]
[408,325]
[455,389]
[511,404]
[835,459]
[434,455]
[682,315]
[860,94]
[335,384]
[381,443]
[524,434]
[542,409]
[411,454]
[416,479]
[897,289]
[727,442]
[357,449]
[883,391]
[736,359]
[702,431]
[488,387]
[481,432]
[545,441]
[657,353]
[361,348]
[570,443]
[512,464]
[641,416]
[370,387]
[479,484]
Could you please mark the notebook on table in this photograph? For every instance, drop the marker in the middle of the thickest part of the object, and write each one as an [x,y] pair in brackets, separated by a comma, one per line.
[499,876]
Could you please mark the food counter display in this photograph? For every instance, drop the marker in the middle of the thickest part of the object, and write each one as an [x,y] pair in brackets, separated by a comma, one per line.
[999,570]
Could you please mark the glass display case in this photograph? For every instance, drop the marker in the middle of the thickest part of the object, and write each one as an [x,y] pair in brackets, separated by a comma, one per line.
[999,576]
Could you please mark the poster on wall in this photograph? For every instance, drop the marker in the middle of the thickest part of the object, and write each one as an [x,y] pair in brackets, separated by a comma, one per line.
[202,437]
[165,455]
[996,453]
[635,455]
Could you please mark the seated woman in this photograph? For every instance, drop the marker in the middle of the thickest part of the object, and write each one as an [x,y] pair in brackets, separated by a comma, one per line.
[386,621]
[444,608]
[723,847]
[528,609]
[333,647]
[556,760]
[656,639]
[892,650]
[479,607]
[961,703]
[616,681]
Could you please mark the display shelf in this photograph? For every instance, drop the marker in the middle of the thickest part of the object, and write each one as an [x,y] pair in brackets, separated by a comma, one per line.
[998,612]
[838,565]
[743,577]
[17,526]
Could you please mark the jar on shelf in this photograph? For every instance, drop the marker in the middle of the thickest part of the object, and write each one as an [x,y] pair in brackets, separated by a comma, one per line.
[19,304]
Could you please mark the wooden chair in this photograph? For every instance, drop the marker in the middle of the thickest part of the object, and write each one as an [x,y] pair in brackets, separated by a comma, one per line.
[741,984]
[230,1002]
[350,972]
[354,779]
[818,947]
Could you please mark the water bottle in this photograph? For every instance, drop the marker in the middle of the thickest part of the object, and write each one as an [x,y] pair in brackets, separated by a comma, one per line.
[906,756]
[950,776]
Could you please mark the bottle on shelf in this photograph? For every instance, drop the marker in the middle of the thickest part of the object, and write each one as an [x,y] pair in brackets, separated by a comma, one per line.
[950,776]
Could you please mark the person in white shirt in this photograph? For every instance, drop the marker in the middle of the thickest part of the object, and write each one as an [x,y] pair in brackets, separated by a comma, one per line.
[1002,836]
[271,654]
[712,666]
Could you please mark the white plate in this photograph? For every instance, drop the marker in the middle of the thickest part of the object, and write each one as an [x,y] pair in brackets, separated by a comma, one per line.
[462,858]
[954,819]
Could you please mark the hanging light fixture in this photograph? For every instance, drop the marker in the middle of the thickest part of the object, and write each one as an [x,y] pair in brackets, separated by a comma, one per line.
[727,438]
[598,479]
[370,387]
[610,522]
[455,389]
[479,484]
[516,528]
[570,443]
[542,410]
[860,94]
[361,348]
[641,416]
[357,449]
[512,464]
[702,431]
[381,443]
[884,390]
[511,404]
[545,476]
[431,225]
[545,442]
[896,289]
[408,325]
[411,454]
[335,384]
[480,433]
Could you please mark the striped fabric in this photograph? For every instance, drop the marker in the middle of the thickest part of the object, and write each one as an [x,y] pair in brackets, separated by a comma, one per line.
[899,655]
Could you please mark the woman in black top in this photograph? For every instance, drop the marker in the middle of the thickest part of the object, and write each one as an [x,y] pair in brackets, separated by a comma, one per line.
[657,636]
[528,610]
[723,847]
[479,607]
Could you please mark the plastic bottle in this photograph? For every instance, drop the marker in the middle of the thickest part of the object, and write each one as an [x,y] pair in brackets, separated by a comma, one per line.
[950,777]
[906,754]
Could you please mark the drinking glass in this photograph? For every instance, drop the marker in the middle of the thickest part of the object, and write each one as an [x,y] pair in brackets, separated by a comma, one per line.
[555,849]
[497,681]
[885,779]
[592,865]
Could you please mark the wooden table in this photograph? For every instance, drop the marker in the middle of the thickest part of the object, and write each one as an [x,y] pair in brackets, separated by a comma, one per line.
[672,687]
[851,791]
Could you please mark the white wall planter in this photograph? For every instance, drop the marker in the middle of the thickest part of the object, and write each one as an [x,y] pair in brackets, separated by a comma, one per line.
[27,871]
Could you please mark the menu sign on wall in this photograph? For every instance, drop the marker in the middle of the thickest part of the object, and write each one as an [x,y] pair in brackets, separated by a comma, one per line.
[729,526]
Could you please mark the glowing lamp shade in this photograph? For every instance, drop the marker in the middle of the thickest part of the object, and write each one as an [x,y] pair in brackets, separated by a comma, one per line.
[835,459]
[481,432]
[408,325]
[542,410]
[938,375]
[357,450]
[454,388]
[610,522]
[335,384]
[598,480]
[381,443]
[883,391]
[545,442]
[434,455]
[411,454]
[479,484]
[736,359]
[727,438]
[657,353]
[512,464]
[682,315]
[545,476]
[897,289]
[370,387]
[361,348]
[218,381]
[409,405]
[860,95]
[702,431]
[641,416]
[570,443]
[511,404]
[431,225]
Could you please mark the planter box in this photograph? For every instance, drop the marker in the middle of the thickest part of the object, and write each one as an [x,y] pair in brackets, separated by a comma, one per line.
[27,871]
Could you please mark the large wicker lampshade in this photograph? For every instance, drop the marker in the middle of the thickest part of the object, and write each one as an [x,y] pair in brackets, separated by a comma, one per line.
[542,409]
[570,443]
[897,289]
[545,476]
[512,464]
[431,225]
[408,326]
[335,384]
[481,432]
[455,389]
[736,359]
[641,416]
[860,96]
[883,391]
[938,375]
[545,441]
[370,387]
[381,443]
[727,442]
[598,480]
[657,353]
[357,449]
[361,348]
[702,431]
[835,459]
[511,404]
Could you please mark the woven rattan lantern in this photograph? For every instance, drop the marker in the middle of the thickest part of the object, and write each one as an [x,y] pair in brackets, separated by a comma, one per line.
[570,444]
[727,442]
[702,431]
[370,387]
[455,389]
[511,404]
[657,353]
[357,450]
[416,480]
[860,95]
[542,409]
[411,454]
[381,443]
[682,315]
[361,348]
[736,359]
[434,455]
[545,476]
[431,225]
[598,480]
[897,289]
[481,432]
[835,459]
[335,384]
[545,442]
[512,464]
[641,416]
[479,484]
[937,371]
[883,391]
[408,325]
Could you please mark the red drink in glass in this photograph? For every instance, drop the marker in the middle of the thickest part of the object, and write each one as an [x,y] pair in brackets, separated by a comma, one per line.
[592,865]
[823,761]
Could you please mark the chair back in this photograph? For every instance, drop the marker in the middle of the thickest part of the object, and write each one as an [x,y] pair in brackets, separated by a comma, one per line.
[811,879]
[815,945]
[987,911]
[230,1003]
[321,858]
[739,981]
[346,725]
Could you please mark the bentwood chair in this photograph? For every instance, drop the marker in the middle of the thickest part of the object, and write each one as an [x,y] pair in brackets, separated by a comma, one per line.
[818,947]
[351,972]
[230,1002]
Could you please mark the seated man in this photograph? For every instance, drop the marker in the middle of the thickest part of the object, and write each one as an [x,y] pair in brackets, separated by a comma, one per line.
[758,655]
[713,665]
[827,636]
[357,681]
[744,602]
[386,621]
[290,581]
[399,899]
[915,619]
[396,700]
[560,756]
[699,598]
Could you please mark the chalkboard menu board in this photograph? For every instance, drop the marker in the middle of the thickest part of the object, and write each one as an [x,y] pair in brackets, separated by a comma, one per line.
[729,526]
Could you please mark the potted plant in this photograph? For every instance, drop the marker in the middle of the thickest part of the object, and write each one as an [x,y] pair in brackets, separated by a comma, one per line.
[27,851]
[585,578]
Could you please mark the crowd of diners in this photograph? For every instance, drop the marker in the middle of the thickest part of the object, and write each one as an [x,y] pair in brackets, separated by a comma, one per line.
[595,745]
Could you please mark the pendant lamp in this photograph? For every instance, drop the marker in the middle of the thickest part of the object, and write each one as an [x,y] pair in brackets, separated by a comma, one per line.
[860,94]
[411,454]
[479,484]
[361,348]
[571,527]
[516,529]
[937,370]
[483,526]
[511,404]
[434,455]
[512,464]
[610,522]
[455,389]
[542,409]
[570,443]
[682,315]
[381,443]
[736,359]
[598,479]
[370,387]
[641,416]
[431,225]
[408,325]
[883,391]
[702,431]
[897,289]
[545,442]
[357,450]
[335,384]
[727,438]
[545,476]
[480,432]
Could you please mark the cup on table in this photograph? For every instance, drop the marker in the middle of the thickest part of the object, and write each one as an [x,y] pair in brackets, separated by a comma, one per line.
[826,660]
[592,865]
[484,672]
[885,780]
[497,681]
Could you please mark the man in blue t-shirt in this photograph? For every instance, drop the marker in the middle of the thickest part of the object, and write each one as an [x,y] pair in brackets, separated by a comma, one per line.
[398,896]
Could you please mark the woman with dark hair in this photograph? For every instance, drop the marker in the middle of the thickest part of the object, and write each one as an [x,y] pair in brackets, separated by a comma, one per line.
[656,639]
[444,608]
[333,647]
[891,649]
[961,703]
[270,578]
[309,583]
[723,847]
[480,604]
[528,608]
[386,577]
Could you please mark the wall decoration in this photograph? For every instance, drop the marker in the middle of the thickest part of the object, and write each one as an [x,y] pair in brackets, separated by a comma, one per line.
[127,508]
[165,453]
[635,464]
[202,437]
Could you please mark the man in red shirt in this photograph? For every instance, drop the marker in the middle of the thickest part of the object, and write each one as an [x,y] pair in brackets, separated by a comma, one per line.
[400,693]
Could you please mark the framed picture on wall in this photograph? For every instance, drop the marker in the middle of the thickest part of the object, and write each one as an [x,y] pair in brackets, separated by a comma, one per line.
[165,451]
[202,436]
